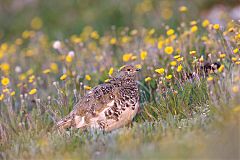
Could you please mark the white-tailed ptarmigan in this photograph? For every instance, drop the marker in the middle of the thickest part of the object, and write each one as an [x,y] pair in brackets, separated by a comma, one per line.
[108,106]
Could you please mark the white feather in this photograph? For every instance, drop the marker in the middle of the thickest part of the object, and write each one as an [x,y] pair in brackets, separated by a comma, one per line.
[80,121]
[110,104]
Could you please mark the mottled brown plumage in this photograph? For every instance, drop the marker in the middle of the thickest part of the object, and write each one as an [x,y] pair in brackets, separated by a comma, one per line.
[108,106]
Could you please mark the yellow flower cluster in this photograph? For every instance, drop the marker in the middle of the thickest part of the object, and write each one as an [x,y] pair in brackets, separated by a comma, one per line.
[165,55]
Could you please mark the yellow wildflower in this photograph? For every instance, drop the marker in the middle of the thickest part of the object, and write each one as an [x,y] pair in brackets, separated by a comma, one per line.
[5,81]
[25,34]
[238,62]
[1,55]
[169,50]
[234,59]
[160,70]
[46,71]
[177,56]
[107,80]
[237,36]
[110,72]
[6,90]
[138,66]
[169,77]
[216,26]
[54,67]
[68,58]
[94,35]
[222,55]
[210,78]
[63,77]
[205,23]
[133,57]
[22,77]
[170,32]
[180,59]
[173,37]
[204,38]
[179,68]
[127,56]
[235,89]
[113,41]
[192,52]
[74,39]
[148,79]
[173,63]
[235,50]
[36,23]
[30,80]
[178,50]
[1,97]
[220,69]
[12,93]
[194,28]
[160,44]
[18,41]
[125,39]
[87,87]
[183,9]
[4,47]
[149,40]
[32,77]
[33,91]
[88,77]
[29,53]
[143,55]
[151,31]
[193,23]
[19,84]
[5,67]
[29,72]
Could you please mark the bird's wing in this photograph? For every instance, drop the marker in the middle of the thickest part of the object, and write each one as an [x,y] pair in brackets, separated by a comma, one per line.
[95,101]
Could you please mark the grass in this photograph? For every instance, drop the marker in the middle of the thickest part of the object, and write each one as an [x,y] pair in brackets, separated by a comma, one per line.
[180,118]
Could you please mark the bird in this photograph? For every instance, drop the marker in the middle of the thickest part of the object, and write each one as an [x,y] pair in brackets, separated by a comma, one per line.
[209,67]
[204,70]
[108,106]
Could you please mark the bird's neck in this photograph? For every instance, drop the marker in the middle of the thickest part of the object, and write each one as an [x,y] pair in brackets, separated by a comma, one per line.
[124,81]
[128,78]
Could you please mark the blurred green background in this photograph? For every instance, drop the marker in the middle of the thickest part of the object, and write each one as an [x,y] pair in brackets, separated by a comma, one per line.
[62,18]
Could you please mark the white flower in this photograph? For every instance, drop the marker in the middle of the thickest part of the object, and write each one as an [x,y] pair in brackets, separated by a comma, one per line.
[57,45]
[55,83]
[18,69]
[71,53]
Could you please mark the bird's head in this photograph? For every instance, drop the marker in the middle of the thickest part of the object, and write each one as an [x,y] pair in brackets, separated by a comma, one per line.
[128,71]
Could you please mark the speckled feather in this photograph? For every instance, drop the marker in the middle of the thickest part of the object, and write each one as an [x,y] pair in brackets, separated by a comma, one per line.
[107,106]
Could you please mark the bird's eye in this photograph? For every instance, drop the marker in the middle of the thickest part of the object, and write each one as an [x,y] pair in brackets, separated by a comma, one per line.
[128,69]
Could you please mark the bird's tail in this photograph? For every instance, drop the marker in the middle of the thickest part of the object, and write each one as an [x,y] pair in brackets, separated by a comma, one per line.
[71,120]
[65,123]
